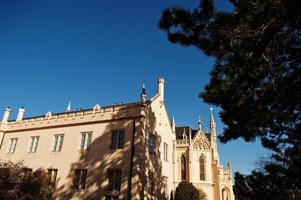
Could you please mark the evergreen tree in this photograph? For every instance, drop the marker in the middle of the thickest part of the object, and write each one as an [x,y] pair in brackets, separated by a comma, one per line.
[256,79]
[19,183]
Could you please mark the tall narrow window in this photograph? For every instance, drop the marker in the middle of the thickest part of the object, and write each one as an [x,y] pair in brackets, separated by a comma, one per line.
[151,182]
[79,179]
[114,179]
[117,139]
[165,151]
[202,168]
[12,145]
[165,179]
[152,144]
[85,140]
[52,173]
[183,168]
[33,144]
[57,142]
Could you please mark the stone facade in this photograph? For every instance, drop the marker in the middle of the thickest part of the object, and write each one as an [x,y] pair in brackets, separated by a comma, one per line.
[124,151]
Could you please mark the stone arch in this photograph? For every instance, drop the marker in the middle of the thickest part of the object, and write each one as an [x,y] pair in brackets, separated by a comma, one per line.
[226,195]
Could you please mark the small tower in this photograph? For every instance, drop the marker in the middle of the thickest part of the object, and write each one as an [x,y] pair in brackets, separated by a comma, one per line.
[143,94]
[173,125]
[200,122]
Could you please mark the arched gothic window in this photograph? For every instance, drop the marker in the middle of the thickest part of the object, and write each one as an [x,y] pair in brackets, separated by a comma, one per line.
[202,168]
[226,194]
[183,168]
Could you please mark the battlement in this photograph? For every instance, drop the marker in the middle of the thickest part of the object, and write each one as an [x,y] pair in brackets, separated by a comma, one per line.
[86,116]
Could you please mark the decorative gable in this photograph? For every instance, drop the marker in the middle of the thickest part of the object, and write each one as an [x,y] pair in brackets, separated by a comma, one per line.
[200,142]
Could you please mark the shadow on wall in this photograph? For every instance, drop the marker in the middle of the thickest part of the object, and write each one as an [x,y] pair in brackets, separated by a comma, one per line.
[100,157]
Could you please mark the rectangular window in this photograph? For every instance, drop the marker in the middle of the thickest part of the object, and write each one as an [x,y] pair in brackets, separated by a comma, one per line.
[57,142]
[33,144]
[114,179]
[165,179]
[79,179]
[151,182]
[165,151]
[12,145]
[52,173]
[85,140]
[117,139]
[152,144]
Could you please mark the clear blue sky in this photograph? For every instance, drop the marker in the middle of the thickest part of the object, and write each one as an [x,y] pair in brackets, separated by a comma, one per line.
[102,52]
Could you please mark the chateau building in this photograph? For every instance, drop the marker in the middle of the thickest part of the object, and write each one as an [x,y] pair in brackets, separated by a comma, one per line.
[123,151]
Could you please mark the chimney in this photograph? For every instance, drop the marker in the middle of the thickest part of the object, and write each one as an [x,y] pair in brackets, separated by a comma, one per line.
[20,114]
[161,88]
[6,115]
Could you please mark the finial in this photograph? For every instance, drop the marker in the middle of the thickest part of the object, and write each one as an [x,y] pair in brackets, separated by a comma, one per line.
[69,107]
[143,94]
[200,122]
[173,125]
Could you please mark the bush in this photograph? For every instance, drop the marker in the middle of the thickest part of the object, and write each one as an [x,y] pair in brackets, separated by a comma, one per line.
[186,191]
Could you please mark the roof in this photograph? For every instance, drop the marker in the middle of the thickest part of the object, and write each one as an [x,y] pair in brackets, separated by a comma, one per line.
[82,110]
[180,130]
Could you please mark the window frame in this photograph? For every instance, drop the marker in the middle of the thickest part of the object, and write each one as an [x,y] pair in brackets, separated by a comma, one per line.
[165,151]
[114,177]
[117,139]
[152,144]
[57,143]
[79,181]
[12,145]
[33,144]
[85,141]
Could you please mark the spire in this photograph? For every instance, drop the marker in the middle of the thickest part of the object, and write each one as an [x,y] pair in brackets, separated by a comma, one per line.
[211,116]
[143,94]
[69,107]
[173,125]
[200,122]
[228,166]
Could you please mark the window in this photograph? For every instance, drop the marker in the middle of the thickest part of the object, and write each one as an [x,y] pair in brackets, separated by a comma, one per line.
[117,139]
[152,144]
[79,179]
[52,173]
[165,179]
[165,151]
[202,168]
[151,182]
[33,144]
[12,145]
[114,179]
[27,171]
[85,140]
[57,142]
[183,168]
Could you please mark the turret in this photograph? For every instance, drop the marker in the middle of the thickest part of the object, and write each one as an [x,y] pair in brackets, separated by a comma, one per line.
[6,115]
[161,88]
[143,94]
